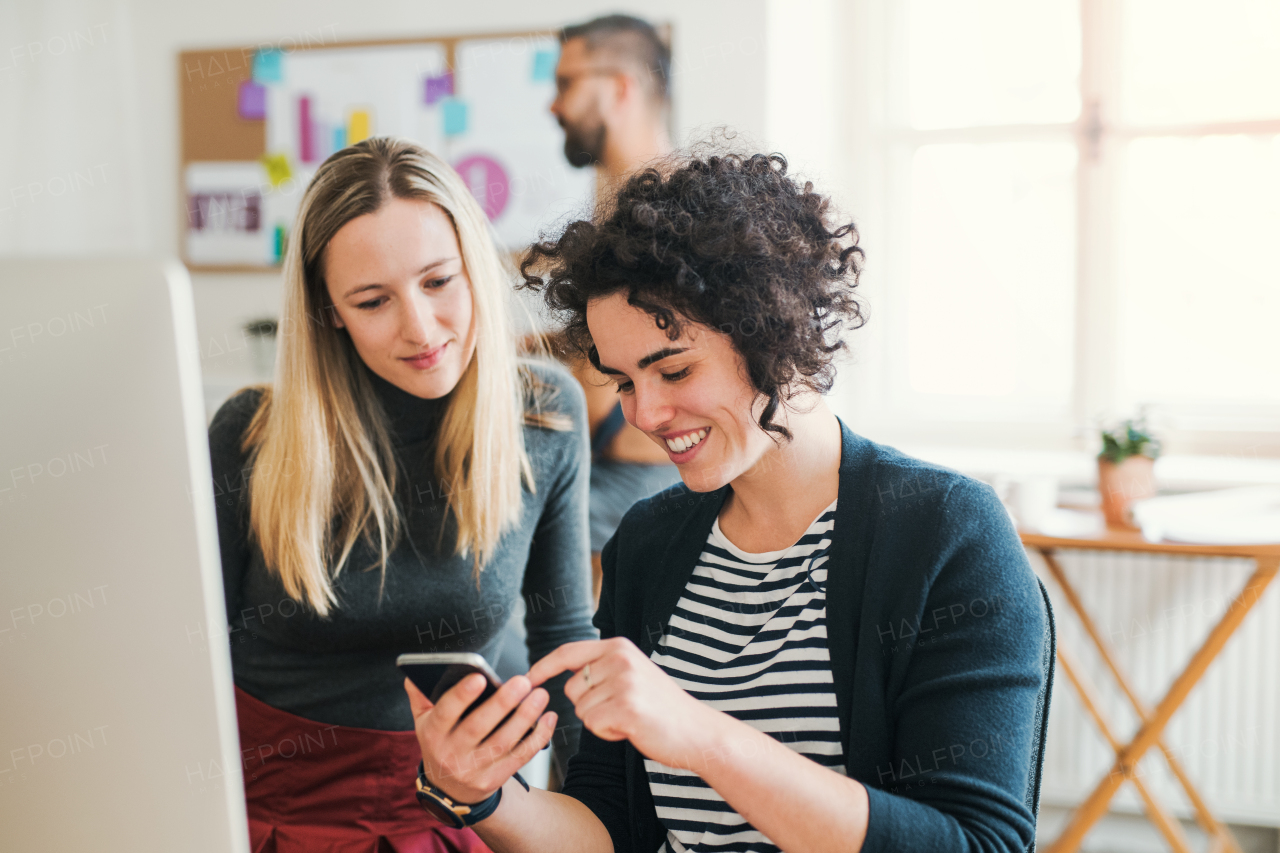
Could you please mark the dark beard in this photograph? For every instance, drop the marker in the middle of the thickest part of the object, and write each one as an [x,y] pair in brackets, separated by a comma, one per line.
[583,148]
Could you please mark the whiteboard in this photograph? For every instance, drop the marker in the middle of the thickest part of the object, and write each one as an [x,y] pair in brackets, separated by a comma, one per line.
[510,124]
[386,81]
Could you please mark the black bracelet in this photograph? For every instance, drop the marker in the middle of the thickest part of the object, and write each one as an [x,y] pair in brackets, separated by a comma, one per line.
[439,803]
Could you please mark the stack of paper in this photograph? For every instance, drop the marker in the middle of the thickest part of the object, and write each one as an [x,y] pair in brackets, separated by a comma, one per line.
[1244,516]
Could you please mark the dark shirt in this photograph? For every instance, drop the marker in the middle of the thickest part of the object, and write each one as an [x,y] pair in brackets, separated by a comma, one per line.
[615,486]
[341,669]
[941,648]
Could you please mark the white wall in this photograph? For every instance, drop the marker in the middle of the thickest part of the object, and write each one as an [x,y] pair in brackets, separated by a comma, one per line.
[89,161]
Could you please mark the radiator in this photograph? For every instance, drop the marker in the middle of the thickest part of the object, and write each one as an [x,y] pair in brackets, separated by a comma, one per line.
[1156,611]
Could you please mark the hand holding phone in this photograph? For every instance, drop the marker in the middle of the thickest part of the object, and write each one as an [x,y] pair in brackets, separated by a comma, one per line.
[470,761]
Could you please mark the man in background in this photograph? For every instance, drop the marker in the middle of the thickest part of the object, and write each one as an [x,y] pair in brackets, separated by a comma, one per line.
[613,96]
[613,100]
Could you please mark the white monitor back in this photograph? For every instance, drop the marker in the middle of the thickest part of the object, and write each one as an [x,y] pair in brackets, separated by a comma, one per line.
[117,712]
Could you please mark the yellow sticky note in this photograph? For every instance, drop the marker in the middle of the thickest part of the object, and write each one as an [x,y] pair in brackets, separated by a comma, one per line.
[277,166]
[358,127]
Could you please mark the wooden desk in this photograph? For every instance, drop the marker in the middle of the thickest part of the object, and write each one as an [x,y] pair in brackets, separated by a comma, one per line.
[1153,719]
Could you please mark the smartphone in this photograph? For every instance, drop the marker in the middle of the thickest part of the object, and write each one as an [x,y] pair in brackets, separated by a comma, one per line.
[434,674]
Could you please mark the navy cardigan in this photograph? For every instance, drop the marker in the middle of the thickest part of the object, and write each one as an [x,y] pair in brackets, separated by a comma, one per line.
[941,643]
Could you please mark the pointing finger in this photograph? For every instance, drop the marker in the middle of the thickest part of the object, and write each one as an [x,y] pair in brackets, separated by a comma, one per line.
[570,656]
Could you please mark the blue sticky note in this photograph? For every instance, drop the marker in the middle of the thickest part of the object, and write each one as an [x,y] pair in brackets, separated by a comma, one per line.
[454,111]
[544,65]
[268,66]
[339,138]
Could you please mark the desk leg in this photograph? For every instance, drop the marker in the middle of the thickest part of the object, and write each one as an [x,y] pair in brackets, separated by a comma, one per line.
[1211,825]
[1096,805]
[1168,826]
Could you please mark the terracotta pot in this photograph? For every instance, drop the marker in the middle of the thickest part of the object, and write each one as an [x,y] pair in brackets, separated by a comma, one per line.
[1121,485]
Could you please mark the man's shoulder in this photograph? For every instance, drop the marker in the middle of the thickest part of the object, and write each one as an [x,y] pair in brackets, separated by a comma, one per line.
[551,389]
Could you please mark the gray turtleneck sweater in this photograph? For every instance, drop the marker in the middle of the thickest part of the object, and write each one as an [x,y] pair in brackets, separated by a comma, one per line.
[341,670]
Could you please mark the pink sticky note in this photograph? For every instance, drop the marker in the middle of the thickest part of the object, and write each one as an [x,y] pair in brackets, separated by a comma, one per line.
[306,139]
[252,100]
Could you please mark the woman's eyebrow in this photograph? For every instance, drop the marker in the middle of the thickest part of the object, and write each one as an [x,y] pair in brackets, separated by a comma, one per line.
[435,264]
[659,356]
[649,359]
[363,287]
[359,289]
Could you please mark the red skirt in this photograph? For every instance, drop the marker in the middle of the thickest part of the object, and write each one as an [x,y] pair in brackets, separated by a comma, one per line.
[311,786]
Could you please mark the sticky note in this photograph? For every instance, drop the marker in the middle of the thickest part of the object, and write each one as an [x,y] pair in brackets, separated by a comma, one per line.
[437,88]
[277,244]
[455,116]
[268,66]
[251,102]
[544,65]
[306,141]
[339,138]
[277,166]
[357,127]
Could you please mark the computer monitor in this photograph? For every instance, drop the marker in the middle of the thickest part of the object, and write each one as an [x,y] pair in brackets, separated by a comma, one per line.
[117,712]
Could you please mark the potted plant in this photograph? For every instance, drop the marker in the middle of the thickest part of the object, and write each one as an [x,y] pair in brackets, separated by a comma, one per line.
[1125,470]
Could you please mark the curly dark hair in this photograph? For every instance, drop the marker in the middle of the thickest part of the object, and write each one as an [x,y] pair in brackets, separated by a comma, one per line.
[728,241]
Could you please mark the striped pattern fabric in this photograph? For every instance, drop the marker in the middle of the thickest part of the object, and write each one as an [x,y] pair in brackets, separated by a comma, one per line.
[749,637]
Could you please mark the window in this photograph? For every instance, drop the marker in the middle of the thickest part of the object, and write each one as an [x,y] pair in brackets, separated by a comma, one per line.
[1076,216]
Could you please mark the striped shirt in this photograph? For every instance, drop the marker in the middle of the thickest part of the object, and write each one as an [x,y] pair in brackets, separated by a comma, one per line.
[749,637]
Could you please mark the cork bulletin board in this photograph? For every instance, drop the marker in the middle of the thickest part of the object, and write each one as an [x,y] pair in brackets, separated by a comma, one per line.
[256,122]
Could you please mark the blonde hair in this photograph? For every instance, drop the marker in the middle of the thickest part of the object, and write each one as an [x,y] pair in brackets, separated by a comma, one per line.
[324,472]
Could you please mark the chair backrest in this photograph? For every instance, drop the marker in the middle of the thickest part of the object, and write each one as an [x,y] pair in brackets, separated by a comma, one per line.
[1048,661]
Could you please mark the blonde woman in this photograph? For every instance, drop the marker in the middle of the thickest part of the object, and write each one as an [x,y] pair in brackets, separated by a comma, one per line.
[400,487]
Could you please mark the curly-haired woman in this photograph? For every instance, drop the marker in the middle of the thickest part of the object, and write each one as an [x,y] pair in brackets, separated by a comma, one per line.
[816,643]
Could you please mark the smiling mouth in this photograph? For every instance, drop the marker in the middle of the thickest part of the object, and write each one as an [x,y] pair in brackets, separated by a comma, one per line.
[428,358]
[685,442]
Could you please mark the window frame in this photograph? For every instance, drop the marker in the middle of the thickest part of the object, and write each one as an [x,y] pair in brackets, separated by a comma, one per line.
[864,396]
